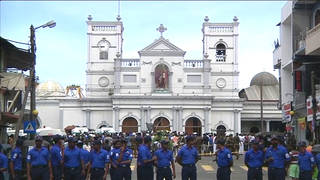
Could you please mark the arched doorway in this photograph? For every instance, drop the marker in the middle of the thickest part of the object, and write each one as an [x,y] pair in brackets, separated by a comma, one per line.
[193,124]
[129,125]
[161,123]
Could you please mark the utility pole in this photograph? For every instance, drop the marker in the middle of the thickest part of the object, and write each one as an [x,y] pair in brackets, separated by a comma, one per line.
[261,106]
[32,74]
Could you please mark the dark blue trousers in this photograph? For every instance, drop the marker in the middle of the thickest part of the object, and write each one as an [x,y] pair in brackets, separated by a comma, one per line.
[223,173]
[164,173]
[276,173]
[97,173]
[72,173]
[305,175]
[57,172]
[139,173]
[120,173]
[254,173]
[147,172]
[189,172]
[40,173]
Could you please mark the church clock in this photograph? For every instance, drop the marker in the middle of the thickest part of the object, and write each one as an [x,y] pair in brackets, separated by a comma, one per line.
[221,83]
[103,81]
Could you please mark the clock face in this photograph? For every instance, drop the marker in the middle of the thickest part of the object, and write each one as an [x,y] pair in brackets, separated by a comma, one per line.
[103,81]
[221,83]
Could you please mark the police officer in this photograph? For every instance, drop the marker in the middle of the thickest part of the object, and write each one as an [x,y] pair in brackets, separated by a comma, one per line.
[164,157]
[73,162]
[224,161]
[16,161]
[3,163]
[38,162]
[139,142]
[276,156]
[147,159]
[187,157]
[56,157]
[121,158]
[99,159]
[306,162]
[254,159]
[317,160]
[85,155]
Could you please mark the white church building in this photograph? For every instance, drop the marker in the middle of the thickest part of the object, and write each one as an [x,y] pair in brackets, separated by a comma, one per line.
[161,88]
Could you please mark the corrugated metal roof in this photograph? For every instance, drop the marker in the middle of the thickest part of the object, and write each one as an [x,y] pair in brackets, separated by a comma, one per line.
[268,92]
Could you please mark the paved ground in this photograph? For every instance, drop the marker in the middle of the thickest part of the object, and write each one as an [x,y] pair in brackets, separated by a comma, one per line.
[207,169]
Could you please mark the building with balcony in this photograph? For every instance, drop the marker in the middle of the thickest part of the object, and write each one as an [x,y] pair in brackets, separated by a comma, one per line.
[297,58]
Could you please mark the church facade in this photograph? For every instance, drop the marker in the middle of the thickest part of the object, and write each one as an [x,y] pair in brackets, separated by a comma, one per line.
[160,90]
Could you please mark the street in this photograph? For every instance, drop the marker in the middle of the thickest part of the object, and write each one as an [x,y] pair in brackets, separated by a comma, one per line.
[207,169]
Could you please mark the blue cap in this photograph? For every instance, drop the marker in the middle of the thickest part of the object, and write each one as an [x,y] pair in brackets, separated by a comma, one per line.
[71,139]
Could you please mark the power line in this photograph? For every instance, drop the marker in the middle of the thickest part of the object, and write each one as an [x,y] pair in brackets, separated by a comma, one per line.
[17,42]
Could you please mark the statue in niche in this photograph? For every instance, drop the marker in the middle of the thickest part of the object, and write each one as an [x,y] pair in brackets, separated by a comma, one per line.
[161,76]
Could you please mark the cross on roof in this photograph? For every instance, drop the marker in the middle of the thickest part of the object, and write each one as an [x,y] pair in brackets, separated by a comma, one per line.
[161,29]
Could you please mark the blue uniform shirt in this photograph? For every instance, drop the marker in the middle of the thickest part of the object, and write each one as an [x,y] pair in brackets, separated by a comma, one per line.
[56,155]
[139,159]
[145,154]
[317,159]
[279,155]
[188,155]
[38,157]
[164,158]
[16,158]
[99,159]
[305,161]
[254,159]
[224,157]
[115,154]
[85,155]
[3,161]
[72,157]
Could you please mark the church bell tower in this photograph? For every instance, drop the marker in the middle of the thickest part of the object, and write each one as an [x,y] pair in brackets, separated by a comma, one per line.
[104,46]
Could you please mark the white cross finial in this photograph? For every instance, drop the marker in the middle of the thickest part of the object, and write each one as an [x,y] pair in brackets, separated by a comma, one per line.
[161,29]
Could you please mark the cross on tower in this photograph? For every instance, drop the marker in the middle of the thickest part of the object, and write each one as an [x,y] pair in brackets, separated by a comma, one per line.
[161,29]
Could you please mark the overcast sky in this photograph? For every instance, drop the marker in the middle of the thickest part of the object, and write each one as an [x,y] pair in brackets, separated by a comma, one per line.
[62,50]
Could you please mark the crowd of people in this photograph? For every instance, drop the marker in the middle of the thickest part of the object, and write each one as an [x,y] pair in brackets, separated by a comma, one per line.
[85,156]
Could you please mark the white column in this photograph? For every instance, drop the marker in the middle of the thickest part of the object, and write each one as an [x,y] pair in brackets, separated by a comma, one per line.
[206,120]
[149,114]
[268,126]
[116,118]
[142,120]
[174,119]
[180,120]
[88,120]
[236,121]
[61,125]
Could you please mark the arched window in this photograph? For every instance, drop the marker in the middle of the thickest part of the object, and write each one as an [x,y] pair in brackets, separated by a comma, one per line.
[317,17]
[221,53]
[103,48]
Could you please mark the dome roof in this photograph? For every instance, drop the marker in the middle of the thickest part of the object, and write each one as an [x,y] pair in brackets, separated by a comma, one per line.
[265,79]
[50,88]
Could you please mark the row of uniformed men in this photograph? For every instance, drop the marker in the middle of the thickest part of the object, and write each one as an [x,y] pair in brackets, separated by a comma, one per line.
[277,158]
